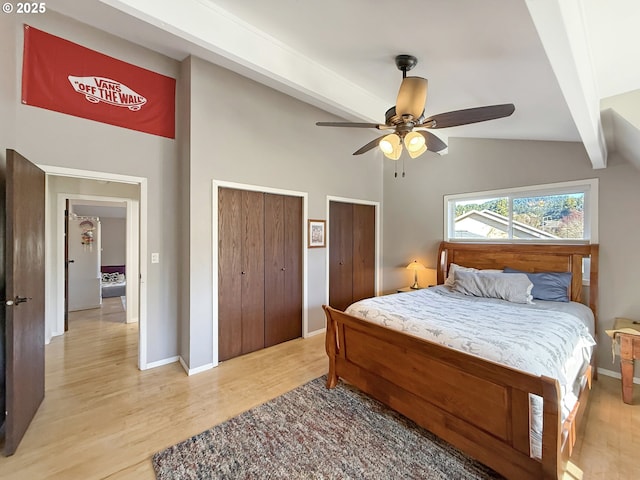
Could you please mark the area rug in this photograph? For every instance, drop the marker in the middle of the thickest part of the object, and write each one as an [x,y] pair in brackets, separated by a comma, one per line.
[315,433]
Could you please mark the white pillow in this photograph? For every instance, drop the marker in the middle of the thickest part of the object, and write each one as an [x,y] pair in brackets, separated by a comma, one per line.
[454,267]
[495,285]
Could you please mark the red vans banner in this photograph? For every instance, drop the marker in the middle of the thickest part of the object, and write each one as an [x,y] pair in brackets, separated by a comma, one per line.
[65,77]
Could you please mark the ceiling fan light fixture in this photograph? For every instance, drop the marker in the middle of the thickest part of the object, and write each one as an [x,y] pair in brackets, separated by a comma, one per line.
[417,153]
[391,146]
[415,143]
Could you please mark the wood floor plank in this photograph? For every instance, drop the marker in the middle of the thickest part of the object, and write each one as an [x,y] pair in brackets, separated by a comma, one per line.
[102,418]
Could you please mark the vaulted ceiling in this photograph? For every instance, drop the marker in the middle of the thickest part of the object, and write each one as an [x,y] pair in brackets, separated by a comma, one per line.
[561,62]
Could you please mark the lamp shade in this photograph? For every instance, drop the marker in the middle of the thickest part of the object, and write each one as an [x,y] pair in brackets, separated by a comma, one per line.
[416,144]
[391,146]
[415,265]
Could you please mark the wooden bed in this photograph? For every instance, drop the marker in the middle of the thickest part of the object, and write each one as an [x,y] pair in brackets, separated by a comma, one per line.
[407,373]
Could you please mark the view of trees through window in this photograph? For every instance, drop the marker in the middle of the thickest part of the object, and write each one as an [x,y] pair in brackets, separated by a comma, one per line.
[549,216]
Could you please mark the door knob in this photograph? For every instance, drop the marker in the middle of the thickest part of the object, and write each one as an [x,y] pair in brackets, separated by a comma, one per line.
[16,301]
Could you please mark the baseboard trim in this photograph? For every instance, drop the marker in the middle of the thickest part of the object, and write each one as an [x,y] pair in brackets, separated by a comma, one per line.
[611,373]
[315,332]
[160,363]
[194,371]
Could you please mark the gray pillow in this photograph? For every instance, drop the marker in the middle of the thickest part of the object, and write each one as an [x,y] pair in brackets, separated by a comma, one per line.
[551,286]
[511,287]
[453,268]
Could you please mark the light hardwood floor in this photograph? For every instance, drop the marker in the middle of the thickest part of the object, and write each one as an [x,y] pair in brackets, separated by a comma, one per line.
[103,418]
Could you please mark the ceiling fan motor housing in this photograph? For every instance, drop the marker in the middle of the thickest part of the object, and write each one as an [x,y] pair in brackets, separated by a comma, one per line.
[392,118]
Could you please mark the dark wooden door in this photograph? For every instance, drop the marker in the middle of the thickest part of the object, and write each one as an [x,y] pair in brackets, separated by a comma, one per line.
[24,291]
[283,268]
[240,272]
[340,254]
[274,268]
[364,251]
[292,321]
[67,261]
[259,270]
[229,273]
[252,274]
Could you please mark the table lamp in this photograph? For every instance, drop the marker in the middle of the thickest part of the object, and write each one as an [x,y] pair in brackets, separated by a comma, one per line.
[415,266]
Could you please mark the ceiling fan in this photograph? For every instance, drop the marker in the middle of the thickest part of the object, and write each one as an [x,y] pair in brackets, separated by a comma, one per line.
[408,122]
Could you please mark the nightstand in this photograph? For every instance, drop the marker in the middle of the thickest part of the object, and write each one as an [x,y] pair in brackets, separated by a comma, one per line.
[409,289]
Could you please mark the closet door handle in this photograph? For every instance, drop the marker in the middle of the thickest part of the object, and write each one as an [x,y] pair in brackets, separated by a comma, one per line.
[283,269]
[17,301]
[243,273]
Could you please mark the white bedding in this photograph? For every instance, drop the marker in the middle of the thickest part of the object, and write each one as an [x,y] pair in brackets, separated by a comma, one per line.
[113,288]
[544,338]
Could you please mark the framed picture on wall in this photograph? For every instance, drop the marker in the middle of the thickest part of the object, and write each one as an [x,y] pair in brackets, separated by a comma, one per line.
[316,234]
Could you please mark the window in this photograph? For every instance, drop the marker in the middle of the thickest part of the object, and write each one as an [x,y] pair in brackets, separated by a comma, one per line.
[560,212]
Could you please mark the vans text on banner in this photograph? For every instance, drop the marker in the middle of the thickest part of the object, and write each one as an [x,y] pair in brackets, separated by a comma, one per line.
[66,77]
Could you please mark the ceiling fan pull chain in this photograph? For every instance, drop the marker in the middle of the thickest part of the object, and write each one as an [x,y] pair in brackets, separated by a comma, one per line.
[402,167]
[395,170]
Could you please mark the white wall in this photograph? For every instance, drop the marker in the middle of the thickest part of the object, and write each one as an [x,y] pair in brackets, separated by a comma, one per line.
[51,138]
[114,240]
[414,218]
[8,83]
[184,222]
[245,132]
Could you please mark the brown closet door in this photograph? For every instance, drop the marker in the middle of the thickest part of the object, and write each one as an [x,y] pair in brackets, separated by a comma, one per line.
[274,267]
[290,326]
[364,251]
[283,268]
[229,273]
[340,254]
[252,274]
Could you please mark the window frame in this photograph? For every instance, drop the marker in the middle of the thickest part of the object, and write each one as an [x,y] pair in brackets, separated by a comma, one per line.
[588,187]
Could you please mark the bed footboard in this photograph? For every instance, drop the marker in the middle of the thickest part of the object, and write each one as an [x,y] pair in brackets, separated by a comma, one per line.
[478,406]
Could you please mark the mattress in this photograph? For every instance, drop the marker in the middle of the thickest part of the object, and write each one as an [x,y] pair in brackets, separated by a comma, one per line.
[113,289]
[113,281]
[554,339]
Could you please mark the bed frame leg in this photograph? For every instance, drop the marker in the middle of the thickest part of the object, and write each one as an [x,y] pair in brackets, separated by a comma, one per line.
[331,345]
[332,378]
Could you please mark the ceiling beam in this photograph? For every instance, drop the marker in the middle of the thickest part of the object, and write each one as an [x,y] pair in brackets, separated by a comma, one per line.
[561,28]
[236,45]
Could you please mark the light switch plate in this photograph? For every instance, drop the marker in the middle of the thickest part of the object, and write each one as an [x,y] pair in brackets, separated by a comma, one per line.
[155,258]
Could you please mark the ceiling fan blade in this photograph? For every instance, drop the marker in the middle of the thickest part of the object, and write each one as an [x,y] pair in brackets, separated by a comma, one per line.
[369,146]
[349,124]
[412,96]
[469,115]
[433,143]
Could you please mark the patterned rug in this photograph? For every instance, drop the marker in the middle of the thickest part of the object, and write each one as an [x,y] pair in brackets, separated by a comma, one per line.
[315,433]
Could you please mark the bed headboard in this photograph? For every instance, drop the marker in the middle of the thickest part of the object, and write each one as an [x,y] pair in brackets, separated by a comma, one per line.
[526,257]
[113,269]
